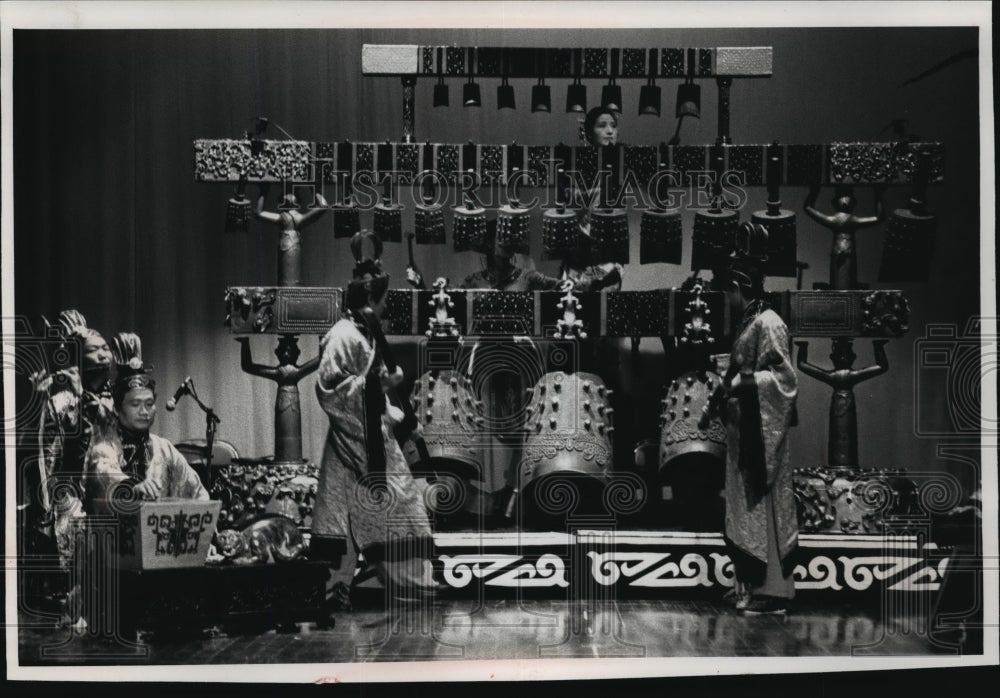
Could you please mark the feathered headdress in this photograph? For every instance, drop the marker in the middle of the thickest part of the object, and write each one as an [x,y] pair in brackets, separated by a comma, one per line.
[71,323]
[369,279]
[126,347]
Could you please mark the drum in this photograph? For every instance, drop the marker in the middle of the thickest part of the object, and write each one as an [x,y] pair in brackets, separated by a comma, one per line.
[568,432]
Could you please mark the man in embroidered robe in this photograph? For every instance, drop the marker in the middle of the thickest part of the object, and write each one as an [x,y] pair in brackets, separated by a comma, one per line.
[366,500]
[761,527]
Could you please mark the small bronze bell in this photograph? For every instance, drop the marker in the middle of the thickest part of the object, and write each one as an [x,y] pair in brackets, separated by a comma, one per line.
[513,224]
[469,227]
[388,222]
[609,230]
[713,237]
[779,223]
[909,240]
[428,219]
[239,210]
[660,237]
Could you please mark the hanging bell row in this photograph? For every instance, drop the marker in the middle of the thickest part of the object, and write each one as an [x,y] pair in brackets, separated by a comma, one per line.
[650,97]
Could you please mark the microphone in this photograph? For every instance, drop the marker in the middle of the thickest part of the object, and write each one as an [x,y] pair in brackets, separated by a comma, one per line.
[178,394]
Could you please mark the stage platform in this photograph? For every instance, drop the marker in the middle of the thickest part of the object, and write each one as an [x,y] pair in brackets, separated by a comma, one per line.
[674,564]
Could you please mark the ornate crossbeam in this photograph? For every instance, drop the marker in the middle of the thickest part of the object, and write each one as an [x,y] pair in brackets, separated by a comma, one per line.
[225,160]
[516,62]
[312,310]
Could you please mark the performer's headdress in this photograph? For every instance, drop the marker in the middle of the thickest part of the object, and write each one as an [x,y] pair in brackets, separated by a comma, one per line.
[72,323]
[369,281]
[126,347]
[746,265]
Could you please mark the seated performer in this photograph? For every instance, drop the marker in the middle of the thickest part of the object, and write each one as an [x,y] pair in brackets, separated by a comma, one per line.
[150,463]
[366,500]
[761,527]
[600,128]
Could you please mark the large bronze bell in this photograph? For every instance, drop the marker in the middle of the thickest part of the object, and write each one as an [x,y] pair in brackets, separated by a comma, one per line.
[568,431]
[683,407]
[452,420]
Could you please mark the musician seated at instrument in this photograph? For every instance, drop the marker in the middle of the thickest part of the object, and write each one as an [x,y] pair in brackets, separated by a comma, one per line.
[131,454]
[501,272]
[587,264]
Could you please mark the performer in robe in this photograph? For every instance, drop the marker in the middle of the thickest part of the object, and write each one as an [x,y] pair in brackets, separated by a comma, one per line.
[79,409]
[366,500]
[150,463]
[761,529]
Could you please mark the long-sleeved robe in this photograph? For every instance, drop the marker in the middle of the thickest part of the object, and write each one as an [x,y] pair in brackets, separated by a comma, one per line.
[761,525]
[354,510]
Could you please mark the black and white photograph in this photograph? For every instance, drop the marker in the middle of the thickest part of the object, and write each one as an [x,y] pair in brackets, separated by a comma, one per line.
[431,341]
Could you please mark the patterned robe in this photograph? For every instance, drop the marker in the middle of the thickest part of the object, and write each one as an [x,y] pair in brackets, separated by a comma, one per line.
[71,419]
[761,524]
[368,513]
[113,460]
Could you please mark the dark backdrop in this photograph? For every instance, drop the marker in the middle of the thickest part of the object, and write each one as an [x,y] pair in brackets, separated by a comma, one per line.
[109,219]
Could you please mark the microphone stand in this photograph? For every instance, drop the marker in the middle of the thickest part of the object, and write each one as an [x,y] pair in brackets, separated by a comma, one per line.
[211,422]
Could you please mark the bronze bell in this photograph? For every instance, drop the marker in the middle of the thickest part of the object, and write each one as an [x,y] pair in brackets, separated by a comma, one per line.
[576,98]
[238,213]
[389,222]
[688,100]
[713,239]
[513,228]
[468,227]
[660,237]
[428,224]
[559,231]
[906,252]
[346,220]
[609,231]
[779,223]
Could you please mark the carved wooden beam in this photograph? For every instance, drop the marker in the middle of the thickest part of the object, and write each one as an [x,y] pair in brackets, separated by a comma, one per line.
[801,165]
[525,62]
[312,310]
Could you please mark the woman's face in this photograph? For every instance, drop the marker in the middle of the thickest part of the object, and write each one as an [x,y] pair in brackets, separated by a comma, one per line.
[138,409]
[605,130]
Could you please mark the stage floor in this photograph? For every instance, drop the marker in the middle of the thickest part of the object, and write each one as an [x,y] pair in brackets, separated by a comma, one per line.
[458,629]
